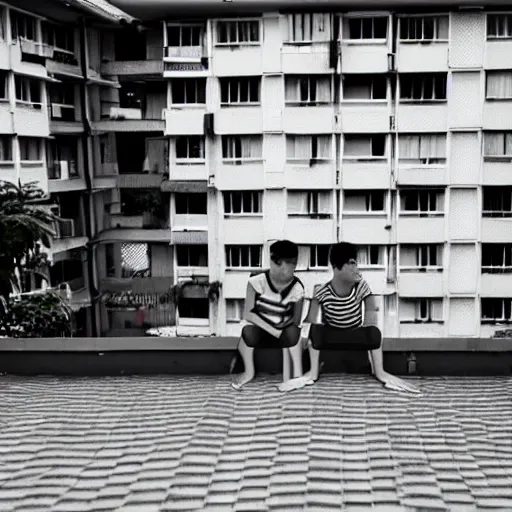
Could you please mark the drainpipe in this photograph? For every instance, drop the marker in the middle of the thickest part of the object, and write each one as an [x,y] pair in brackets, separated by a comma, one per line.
[337,106]
[88,203]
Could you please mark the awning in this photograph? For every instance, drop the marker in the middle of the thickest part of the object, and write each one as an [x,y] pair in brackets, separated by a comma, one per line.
[67,74]
[184,186]
[189,238]
[38,77]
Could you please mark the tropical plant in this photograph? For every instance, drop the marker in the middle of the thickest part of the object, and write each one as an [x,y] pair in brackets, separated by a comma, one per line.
[25,229]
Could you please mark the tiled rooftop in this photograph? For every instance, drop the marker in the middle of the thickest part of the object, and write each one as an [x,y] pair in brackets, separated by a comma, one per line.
[171,443]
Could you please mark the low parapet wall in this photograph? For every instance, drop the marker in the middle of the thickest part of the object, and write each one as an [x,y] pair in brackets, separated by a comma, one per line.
[213,355]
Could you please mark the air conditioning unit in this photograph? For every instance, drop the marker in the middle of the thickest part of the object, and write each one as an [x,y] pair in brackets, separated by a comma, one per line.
[67,228]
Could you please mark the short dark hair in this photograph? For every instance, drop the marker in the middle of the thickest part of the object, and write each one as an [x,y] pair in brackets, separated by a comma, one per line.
[283,250]
[342,253]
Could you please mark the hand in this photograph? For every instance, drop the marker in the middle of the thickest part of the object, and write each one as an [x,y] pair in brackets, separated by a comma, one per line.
[392,382]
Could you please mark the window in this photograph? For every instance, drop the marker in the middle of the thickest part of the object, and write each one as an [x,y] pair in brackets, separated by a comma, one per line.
[238,32]
[364,147]
[243,202]
[62,94]
[308,89]
[2,23]
[135,260]
[498,144]
[308,27]
[496,310]
[424,28]
[305,148]
[359,201]
[184,35]
[366,28]
[497,201]
[240,90]
[496,258]
[31,149]
[191,203]
[190,148]
[424,310]
[188,91]
[319,256]
[309,203]
[4,88]
[243,256]
[421,201]
[370,256]
[194,308]
[239,148]
[423,87]
[235,310]
[6,148]
[499,26]
[192,255]
[421,256]
[425,149]
[364,87]
[23,26]
[498,85]
[28,90]
[107,148]
[62,38]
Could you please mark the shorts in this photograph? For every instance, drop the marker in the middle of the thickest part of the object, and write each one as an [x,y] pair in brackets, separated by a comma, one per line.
[334,338]
[256,337]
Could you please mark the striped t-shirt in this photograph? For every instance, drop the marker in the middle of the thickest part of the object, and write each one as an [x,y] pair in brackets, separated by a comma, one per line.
[273,306]
[343,312]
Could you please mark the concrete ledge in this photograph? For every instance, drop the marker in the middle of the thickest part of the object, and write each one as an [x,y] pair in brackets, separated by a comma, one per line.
[214,343]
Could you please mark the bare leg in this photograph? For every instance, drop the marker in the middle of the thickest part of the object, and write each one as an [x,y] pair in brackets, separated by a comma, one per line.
[296,356]
[286,365]
[247,354]
[314,356]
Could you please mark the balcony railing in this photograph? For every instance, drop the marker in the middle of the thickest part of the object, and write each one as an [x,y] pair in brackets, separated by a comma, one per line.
[62,170]
[30,47]
[184,53]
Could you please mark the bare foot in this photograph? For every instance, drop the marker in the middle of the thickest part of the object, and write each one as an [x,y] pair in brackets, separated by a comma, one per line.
[311,376]
[242,379]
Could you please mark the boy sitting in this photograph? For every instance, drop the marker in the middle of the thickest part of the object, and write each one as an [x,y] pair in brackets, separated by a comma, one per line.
[340,302]
[273,310]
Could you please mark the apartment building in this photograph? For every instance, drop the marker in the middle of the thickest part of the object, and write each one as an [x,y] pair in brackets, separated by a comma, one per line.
[49,71]
[214,137]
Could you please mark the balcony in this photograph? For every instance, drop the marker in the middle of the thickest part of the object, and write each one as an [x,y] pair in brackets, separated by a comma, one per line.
[357,57]
[311,229]
[413,57]
[497,115]
[68,235]
[365,116]
[421,282]
[359,175]
[189,222]
[418,174]
[63,176]
[5,56]
[64,119]
[240,175]
[186,273]
[496,285]
[37,52]
[31,120]
[136,285]
[365,228]
[185,61]
[422,117]
[120,119]
[133,67]
[497,171]
[316,174]
[498,54]
[6,118]
[497,229]
[243,60]
[188,120]
[421,228]
[239,119]
[180,171]
[308,119]
[243,229]
[315,58]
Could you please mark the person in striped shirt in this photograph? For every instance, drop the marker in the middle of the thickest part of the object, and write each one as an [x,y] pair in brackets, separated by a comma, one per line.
[340,304]
[273,311]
